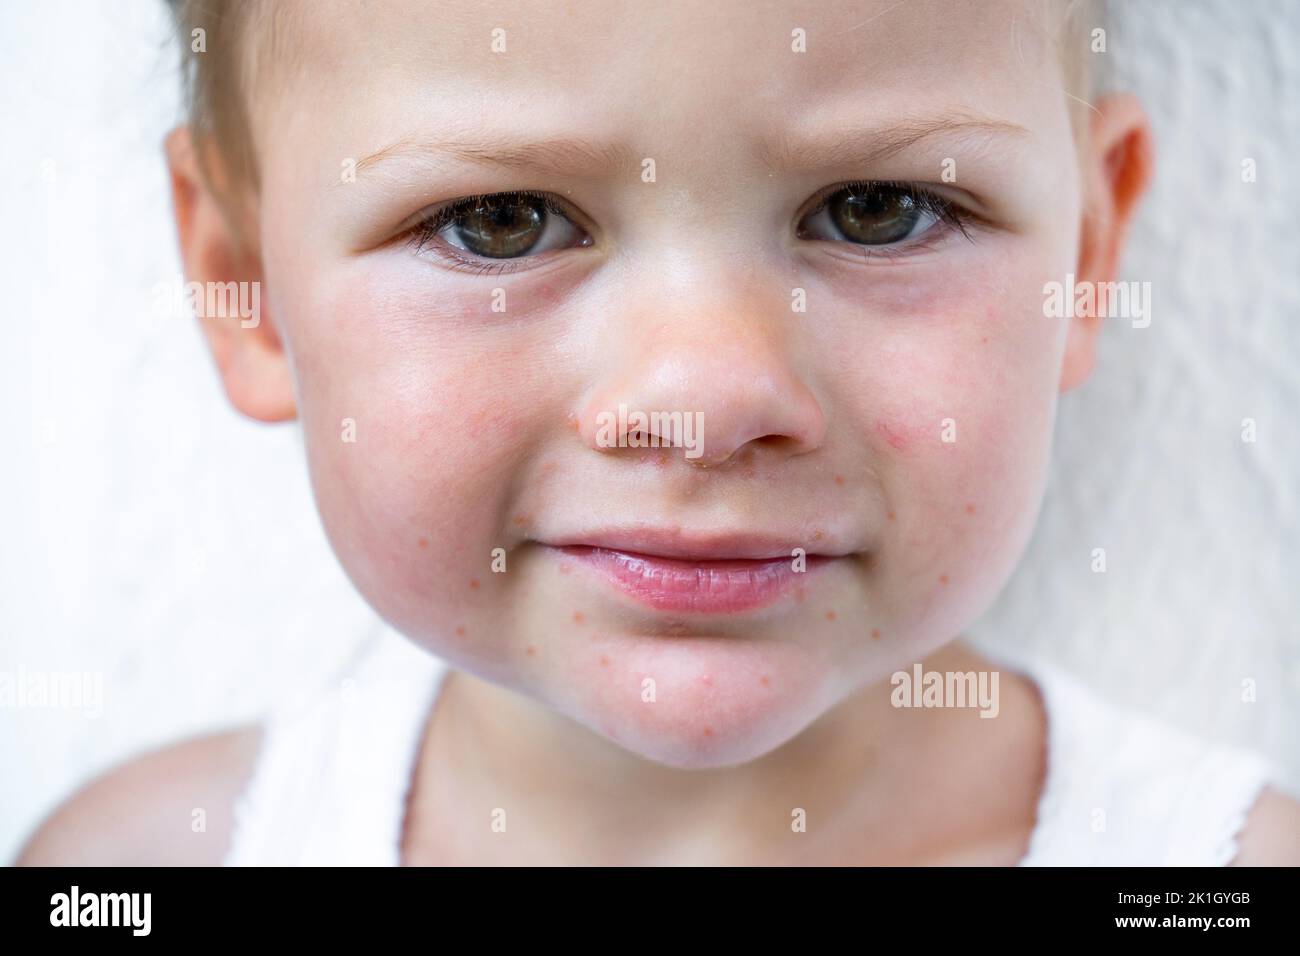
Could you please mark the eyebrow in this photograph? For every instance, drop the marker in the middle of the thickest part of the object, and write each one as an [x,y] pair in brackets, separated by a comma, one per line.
[560,155]
[841,147]
[866,146]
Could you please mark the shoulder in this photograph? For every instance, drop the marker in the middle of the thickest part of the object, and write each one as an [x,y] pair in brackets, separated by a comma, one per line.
[173,806]
[1271,836]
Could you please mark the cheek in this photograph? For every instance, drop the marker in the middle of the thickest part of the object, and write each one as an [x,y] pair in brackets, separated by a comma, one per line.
[958,425]
[413,494]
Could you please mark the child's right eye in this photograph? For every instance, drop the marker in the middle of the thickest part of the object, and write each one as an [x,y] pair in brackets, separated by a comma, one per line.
[474,231]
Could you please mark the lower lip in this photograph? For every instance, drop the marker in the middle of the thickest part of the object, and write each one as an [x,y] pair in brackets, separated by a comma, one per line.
[705,587]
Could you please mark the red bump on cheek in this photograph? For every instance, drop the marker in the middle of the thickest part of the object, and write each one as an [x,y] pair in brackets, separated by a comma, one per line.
[893,434]
[604,661]
[970,509]
[424,542]
[875,633]
[830,615]
[765,681]
[460,632]
[943,579]
[578,617]
[473,584]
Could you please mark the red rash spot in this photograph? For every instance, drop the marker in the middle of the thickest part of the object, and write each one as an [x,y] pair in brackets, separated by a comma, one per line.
[970,509]
[830,615]
[890,515]
[943,579]
[577,617]
[892,435]
[424,542]
[818,535]
[875,634]
[706,680]
[765,681]
[521,519]
[984,339]
[460,632]
[531,650]
[473,584]
[604,661]
[708,731]
[839,479]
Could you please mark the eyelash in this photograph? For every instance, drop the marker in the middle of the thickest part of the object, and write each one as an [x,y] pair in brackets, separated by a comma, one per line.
[942,209]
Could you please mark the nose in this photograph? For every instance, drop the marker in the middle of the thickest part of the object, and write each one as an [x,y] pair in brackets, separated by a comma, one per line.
[712,378]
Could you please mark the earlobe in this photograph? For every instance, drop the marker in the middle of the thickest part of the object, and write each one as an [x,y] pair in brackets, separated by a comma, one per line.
[224,278]
[1117,167]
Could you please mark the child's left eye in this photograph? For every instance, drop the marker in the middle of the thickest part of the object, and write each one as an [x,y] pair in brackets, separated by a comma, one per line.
[879,214]
[499,226]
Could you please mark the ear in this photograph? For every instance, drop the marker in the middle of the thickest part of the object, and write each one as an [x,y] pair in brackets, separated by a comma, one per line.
[1117,164]
[249,354]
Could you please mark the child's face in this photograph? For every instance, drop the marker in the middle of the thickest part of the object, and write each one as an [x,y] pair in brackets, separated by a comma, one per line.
[824,429]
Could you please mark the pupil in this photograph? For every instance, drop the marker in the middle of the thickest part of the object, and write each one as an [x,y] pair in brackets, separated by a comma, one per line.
[875,218]
[502,228]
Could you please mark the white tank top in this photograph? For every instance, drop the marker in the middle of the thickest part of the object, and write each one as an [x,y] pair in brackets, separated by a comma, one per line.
[330,783]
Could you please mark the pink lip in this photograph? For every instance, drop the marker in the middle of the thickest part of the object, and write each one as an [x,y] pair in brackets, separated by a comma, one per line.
[700,583]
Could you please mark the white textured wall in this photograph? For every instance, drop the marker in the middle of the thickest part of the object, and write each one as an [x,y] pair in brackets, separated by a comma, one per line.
[154,538]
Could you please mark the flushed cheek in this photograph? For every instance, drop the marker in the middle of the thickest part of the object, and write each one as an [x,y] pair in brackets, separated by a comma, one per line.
[963,471]
[412,477]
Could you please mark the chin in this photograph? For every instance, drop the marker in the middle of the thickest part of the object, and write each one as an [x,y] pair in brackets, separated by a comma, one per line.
[698,703]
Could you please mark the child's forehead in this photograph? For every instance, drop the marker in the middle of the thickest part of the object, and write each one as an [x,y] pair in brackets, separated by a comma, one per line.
[722,87]
[724,54]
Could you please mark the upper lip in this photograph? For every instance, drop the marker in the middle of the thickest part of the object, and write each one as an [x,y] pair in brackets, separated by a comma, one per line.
[698,545]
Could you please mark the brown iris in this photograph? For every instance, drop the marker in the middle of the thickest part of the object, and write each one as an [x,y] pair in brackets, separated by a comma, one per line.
[874,217]
[501,227]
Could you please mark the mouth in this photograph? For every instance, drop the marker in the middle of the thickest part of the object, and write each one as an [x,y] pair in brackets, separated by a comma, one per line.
[715,574]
